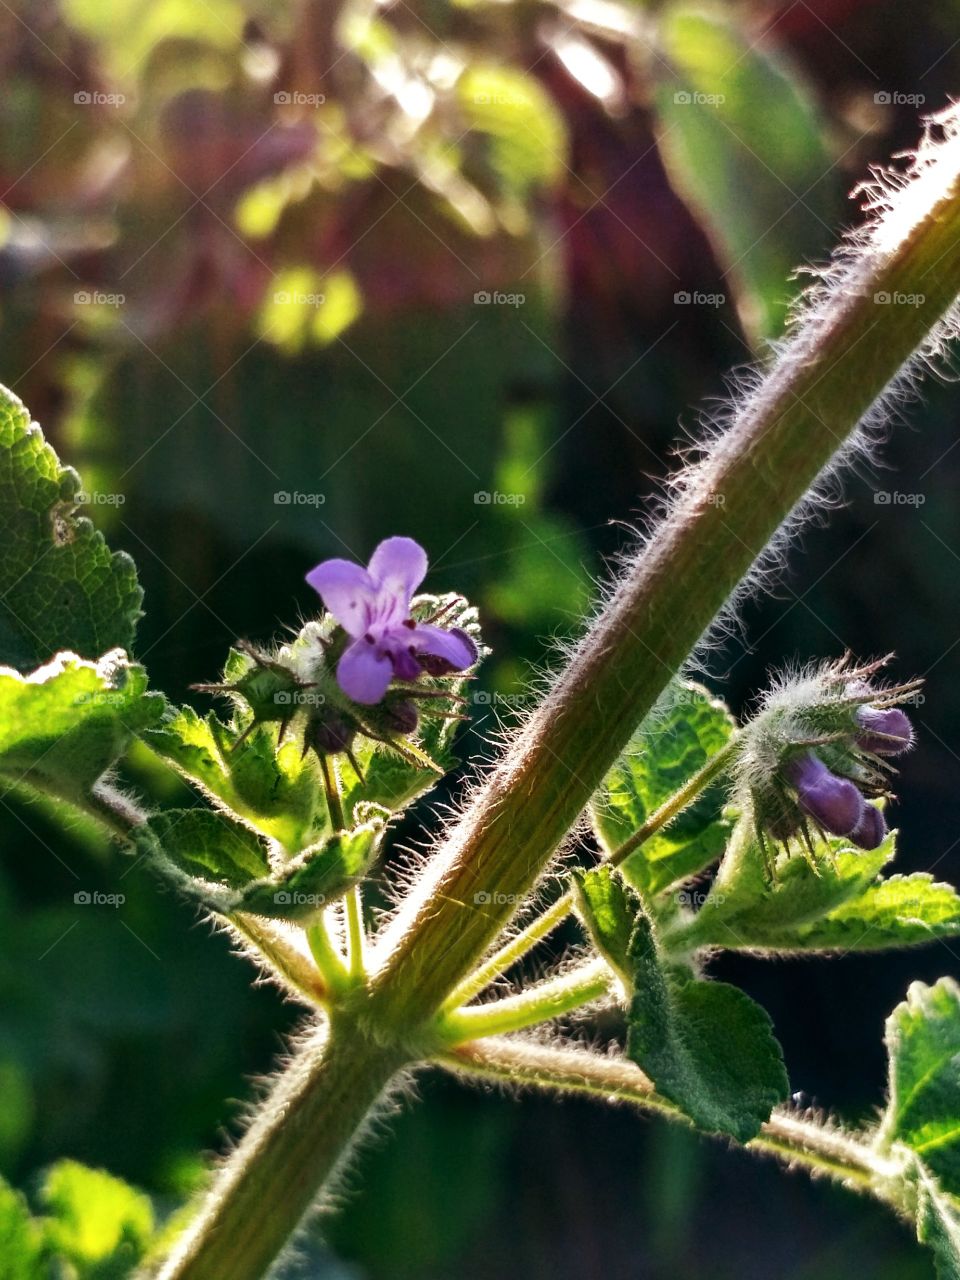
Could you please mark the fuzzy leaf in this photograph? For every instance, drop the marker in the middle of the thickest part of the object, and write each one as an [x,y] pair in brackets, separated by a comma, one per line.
[316,877]
[716,145]
[608,910]
[938,1222]
[97,1223]
[276,791]
[923,1111]
[210,845]
[64,724]
[60,585]
[707,1046]
[752,913]
[903,911]
[686,727]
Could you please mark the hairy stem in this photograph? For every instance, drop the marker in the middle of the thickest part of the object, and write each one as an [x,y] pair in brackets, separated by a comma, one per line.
[299,1139]
[539,1003]
[792,1138]
[831,374]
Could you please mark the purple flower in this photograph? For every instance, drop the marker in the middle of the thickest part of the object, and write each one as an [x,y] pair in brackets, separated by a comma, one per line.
[834,803]
[373,607]
[888,730]
[871,830]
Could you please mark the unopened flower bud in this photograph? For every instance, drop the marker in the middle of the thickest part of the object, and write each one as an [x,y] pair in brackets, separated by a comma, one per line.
[834,803]
[870,832]
[402,716]
[888,730]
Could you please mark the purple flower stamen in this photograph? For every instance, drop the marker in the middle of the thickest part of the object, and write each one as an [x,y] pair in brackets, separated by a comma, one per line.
[373,607]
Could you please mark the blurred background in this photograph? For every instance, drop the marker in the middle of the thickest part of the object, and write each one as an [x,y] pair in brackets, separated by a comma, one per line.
[282,279]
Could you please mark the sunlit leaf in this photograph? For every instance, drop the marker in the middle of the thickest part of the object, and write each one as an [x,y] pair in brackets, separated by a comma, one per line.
[64,724]
[687,727]
[707,1046]
[96,1221]
[60,585]
[733,118]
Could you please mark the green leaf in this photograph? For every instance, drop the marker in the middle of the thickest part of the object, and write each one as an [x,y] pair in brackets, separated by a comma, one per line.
[745,910]
[938,1222]
[60,585]
[210,845]
[97,1222]
[902,911]
[923,1110]
[276,791]
[707,1046]
[62,725]
[717,142]
[524,132]
[21,1252]
[686,727]
[608,910]
[316,877]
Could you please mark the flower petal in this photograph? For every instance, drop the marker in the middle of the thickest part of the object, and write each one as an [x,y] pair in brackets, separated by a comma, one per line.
[454,647]
[364,672]
[348,592]
[397,568]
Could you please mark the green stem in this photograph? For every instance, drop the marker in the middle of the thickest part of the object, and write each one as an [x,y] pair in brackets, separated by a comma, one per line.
[509,954]
[293,967]
[539,1003]
[792,1138]
[356,938]
[331,785]
[300,1138]
[825,380]
[328,959]
[715,766]
[538,928]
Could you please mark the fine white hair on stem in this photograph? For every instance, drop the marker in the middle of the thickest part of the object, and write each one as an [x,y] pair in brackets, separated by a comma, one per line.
[898,203]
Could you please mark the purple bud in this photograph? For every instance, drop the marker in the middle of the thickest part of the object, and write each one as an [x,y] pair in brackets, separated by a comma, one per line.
[834,803]
[871,830]
[889,731]
[402,716]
